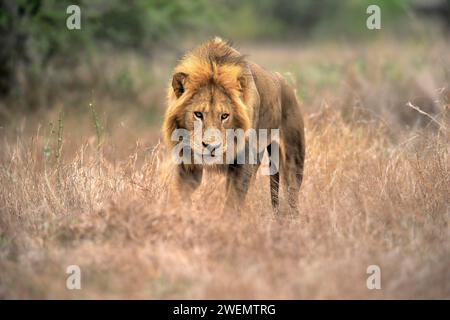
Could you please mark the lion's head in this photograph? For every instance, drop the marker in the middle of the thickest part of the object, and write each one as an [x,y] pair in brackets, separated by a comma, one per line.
[211,89]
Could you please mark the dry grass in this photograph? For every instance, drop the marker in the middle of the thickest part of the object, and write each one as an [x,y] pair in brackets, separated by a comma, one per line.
[376,191]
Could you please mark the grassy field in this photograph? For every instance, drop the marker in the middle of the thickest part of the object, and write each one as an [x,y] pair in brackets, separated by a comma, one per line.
[86,186]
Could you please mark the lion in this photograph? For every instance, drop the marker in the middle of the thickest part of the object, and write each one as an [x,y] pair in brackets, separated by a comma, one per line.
[216,87]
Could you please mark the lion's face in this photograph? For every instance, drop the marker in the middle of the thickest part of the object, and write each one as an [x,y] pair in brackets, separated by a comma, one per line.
[211,96]
[208,115]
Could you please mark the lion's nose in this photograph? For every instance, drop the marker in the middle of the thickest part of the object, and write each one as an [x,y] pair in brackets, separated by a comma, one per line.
[211,146]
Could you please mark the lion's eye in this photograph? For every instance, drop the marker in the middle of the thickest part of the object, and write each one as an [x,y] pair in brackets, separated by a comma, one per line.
[224,116]
[198,115]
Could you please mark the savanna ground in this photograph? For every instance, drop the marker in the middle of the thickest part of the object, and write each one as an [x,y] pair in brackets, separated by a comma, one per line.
[86,186]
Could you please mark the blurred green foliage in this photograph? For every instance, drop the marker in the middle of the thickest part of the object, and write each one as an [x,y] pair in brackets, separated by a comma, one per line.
[144,23]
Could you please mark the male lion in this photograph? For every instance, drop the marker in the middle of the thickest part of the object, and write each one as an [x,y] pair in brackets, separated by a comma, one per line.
[216,87]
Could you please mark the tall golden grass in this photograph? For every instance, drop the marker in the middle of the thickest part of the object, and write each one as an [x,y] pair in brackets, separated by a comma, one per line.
[376,192]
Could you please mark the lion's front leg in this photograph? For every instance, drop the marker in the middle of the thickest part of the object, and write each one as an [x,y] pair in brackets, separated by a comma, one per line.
[238,182]
[186,179]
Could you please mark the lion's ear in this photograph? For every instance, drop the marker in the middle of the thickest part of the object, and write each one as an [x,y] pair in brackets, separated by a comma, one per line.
[242,83]
[178,82]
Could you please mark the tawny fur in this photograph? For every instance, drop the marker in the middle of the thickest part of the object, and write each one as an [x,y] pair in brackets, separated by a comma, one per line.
[215,77]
